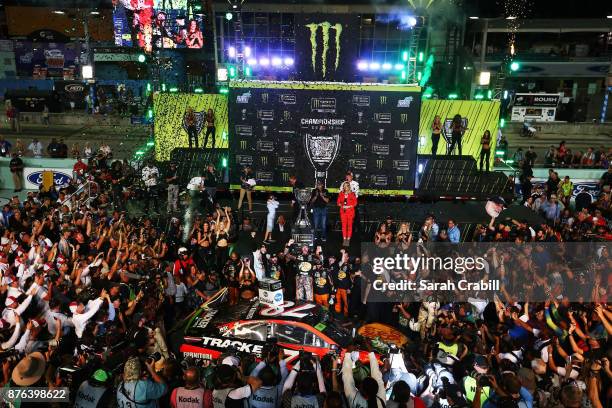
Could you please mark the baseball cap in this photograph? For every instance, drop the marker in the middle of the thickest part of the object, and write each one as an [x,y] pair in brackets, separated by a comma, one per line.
[10,300]
[100,375]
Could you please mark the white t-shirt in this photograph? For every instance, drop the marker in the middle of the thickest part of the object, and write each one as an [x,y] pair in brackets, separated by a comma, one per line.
[181,291]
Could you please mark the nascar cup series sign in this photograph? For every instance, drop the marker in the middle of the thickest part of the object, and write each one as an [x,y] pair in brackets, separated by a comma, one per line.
[34,177]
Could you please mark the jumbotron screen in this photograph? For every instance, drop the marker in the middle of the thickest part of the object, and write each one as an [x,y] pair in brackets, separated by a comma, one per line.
[157,24]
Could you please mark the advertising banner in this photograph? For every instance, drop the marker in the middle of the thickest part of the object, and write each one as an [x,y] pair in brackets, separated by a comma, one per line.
[321,130]
[477,116]
[326,46]
[42,60]
[538,100]
[33,176]
[170,129]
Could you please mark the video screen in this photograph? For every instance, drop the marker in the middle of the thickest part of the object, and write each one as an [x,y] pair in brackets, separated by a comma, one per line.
[157,24]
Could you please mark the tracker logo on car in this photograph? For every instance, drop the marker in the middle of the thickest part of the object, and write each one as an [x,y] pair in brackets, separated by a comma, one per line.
[239,345]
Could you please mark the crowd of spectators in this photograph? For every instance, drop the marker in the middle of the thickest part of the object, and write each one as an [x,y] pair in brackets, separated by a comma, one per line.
[564,157]
[91,295]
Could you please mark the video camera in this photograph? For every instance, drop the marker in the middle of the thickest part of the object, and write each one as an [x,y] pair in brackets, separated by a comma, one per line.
[306,361]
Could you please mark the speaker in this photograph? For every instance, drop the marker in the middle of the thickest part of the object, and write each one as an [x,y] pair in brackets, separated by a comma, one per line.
[457,176]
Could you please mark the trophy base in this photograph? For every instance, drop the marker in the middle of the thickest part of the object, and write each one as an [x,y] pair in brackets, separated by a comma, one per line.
[302,235]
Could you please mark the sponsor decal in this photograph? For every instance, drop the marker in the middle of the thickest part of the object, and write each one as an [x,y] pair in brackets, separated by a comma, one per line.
[323,105]
[380,149]
[265,145]
[358,148]
[325,27]
[192,354]
[263,160]
[264,176]
[265,114]
[59,178]
[244,98]
[286,162]
[399,180]
[404,103]
[402,165]
[403,118]
[288,310]
[244,130]
[382,117]
[383,99]
[361,100]
[379,180]
[264,97]
[243,144]
[244,160]
[403,134]
[203,321]
[288,99]
[379,163]
[358,164]
[241,346]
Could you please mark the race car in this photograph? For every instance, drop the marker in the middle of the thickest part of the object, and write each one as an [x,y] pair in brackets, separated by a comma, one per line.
[248,326]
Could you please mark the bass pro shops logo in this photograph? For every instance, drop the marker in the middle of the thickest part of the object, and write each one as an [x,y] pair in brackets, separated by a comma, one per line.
[325,33]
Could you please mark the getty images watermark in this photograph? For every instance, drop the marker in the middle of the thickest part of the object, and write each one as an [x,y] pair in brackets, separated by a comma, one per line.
[576,272]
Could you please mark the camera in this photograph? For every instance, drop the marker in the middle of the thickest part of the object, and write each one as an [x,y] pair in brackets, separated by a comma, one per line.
[10,356]
[271,349]
[484,381]
[153,357]
[306,363]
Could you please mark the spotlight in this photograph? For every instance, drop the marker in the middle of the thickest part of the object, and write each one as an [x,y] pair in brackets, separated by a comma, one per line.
[420,168]
[247,51]
[412,21]
[94,13]
[87,71]
[362,65]
[288,61]
[59,12]
[229,16]
[252,61]
[374,66]
[141,58]
[276,61]
[386,66]
[511,18]
[474,17]
[264,62]
[231,52]
[399,67]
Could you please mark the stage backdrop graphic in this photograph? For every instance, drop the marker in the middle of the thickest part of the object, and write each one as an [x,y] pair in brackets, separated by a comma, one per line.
[326,46]
[478,116]
[317,129]
[170,110]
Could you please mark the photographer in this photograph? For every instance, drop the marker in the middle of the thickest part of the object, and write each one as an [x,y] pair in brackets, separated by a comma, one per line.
[136,391]
[273,372]
[371,392]
[304,375]
[229,391]
[192,395]
[95,392]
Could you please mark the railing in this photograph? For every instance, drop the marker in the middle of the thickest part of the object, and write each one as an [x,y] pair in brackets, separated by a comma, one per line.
[90,187]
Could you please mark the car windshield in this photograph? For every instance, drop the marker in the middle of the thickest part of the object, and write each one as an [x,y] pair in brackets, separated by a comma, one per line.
[329,328]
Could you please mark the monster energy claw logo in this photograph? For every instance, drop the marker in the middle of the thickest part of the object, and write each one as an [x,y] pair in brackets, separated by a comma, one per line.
[285,176]
[243,144]
[379,164]
[325,27]
[264,160]
[404,117]
[383,100]
[358,147]
[400,180]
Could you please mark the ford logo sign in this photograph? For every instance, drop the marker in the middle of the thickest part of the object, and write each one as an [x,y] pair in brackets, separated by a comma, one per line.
[74,88]
[278,297]
[59,178]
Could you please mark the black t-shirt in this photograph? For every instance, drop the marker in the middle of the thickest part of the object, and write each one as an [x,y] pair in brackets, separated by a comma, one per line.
[170,174]
[321,282]
[318,202]
[16,164]
[210,179]
[341,276]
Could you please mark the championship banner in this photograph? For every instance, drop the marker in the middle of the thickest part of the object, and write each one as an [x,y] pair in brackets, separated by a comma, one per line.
[326,46]
[321,130]
[477,117]
[170,130]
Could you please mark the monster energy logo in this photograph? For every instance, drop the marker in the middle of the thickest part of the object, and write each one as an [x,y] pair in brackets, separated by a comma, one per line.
[286,115]
[383,100]
[325,27]
[243,144]
[264,97]
[358,147]
[404,117]
[400,180]
[379,164]
[285,177]
[264,160]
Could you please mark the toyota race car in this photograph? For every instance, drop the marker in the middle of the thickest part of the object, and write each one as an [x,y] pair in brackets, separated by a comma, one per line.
[247,327]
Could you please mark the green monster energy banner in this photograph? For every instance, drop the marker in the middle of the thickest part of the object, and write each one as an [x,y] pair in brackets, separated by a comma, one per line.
[326,46]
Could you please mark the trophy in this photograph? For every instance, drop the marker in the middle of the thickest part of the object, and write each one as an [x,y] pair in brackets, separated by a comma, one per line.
[244,114]
[381,134]
[359,117]
[321,151]
[286,144]
[302,230]
[402,149]
[265,130]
